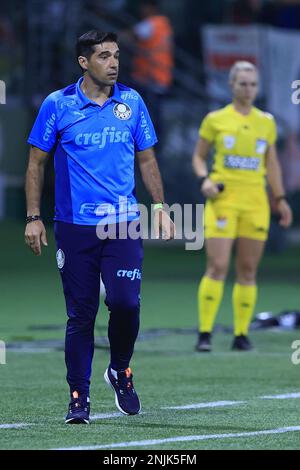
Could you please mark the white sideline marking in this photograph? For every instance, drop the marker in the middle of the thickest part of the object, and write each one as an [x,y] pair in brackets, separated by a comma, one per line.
[14,426]
[112,415]
[284,396]
[193,406]
[107,415]
[201,437]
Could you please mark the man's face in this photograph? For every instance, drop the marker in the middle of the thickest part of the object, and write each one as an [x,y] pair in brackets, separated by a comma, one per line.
[245,86]
[103,64]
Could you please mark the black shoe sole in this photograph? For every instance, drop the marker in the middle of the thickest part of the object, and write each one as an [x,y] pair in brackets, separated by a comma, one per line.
[77,421]
[236,348]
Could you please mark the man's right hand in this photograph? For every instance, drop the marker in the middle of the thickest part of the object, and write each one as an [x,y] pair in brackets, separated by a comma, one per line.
[35,233]
[209,188]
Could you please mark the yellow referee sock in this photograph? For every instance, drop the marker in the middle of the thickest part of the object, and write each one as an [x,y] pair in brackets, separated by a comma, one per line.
[243,299]
[210,294]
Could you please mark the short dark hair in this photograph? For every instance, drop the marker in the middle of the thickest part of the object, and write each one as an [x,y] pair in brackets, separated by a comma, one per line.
[86,42]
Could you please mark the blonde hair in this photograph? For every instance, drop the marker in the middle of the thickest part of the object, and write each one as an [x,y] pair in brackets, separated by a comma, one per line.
[241,66]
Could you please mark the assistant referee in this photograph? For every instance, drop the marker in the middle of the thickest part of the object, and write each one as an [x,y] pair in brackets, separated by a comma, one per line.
[237,206]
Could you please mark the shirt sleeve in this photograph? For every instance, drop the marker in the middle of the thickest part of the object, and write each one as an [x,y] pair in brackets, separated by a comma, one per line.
[272,137]
[207,129]
[44,131]
[144,135]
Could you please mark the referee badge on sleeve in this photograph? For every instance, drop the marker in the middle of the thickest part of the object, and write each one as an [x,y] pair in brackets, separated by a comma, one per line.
[261,146]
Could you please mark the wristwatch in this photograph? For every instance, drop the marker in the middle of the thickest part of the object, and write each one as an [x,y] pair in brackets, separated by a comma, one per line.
[32,218]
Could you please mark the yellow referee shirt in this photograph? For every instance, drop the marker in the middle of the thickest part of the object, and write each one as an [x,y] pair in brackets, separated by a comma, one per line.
[240,144]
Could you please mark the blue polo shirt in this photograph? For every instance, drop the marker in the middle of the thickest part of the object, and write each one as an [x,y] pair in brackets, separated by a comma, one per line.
[95,151]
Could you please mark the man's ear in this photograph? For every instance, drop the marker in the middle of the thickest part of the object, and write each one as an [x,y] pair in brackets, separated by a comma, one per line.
[83,62]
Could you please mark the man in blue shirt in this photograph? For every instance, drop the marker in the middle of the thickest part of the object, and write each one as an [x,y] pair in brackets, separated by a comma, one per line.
[97,127]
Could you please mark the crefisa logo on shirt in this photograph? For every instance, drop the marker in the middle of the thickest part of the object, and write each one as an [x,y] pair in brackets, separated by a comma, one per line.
[122,111]
[108,135]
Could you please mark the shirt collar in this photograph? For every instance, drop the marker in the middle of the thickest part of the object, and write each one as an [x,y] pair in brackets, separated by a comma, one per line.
[85,101]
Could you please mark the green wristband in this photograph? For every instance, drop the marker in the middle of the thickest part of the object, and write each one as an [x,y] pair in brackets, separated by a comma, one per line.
[159,205]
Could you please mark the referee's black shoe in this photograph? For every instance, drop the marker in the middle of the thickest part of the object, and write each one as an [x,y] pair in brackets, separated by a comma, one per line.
[79,410]
[241,343]
[204,342]
[126,398]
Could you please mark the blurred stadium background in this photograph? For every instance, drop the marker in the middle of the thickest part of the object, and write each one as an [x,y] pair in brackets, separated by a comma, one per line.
[37,56]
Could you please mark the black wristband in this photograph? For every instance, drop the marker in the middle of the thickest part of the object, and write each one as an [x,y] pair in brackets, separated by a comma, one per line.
[220,187]
[32,218]
[201,180]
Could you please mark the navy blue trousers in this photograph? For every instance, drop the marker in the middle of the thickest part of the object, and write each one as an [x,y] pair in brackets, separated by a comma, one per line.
[81,258]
